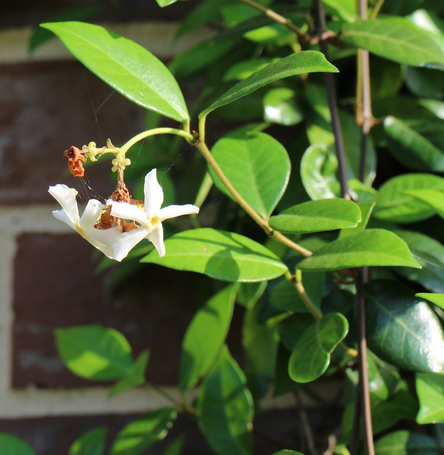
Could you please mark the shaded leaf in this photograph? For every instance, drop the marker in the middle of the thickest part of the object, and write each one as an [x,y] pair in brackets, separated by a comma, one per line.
[90,443]
[310,357]
[402,329]
[395,39]
[405,442]
[94,352]
[205,337]
[299,63]
[256,164]
[142,433]
[373,247]
[135,376]
[125,66]
[393,204]
[417,144]
[12,445]
[219,254]
[280,106]
[317,216]
[226,407]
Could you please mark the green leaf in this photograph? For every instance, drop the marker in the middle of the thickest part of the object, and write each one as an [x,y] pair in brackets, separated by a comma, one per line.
[383,378]
[395,39]
[317,216]
[90,443]
[94,352]
[373,247]
[366,212]
[425,82]
[256,164]
[125,66]
[432,197]
[405,442]
[136,437]
[176,447]
[10,445]
[219,254]
[318,172]
[288,452]
[299,63]
[402,329]
[242,70]
[430,254]
[393,204]
[226,408]
[430,390]
[163,3]
[135,376]
[280,107]
[311,355]
[437,299]
[417,144]
[205,337]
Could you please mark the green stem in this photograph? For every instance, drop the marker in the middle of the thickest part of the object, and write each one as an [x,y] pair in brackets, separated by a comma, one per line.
[262,222]
[187,136]
[180,404]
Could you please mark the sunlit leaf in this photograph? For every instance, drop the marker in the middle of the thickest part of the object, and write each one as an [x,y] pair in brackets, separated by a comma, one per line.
[317,216]
[219,254]
[12,445]
[299,63]
[94,352]
[280,106]
[256,164]
[395,39]
[430,390]
[373,247]
[137,436]
[437,299]
[90,443]
[124,65]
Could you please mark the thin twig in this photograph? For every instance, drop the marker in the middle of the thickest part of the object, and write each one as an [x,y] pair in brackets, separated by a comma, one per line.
[362,365]
[376,9]
[331,98]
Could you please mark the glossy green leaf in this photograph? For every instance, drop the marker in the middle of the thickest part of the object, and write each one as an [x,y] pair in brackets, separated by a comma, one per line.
[280,106]
[393,204]
[430,390]
[11,445]
[125,66]
[430,254]
[135,376]
[366,209]
[90,443]
[417,144]
[402,329]
[176,447]
[373,247]
[432,197]
[219,254]
[395,39]
[94,352]
[163,3]
[299,63]
[256,164]
[405,442]
[317,216]
[205,337]
[318,172]
[136,437]
[383,378]
[226,408]
[242,70]
[437,299]
[310,357]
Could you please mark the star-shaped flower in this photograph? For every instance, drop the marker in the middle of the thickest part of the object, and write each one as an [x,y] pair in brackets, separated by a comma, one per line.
[112,242]
[150,217]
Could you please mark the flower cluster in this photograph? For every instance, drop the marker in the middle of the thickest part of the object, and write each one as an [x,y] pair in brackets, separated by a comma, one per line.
[117,239]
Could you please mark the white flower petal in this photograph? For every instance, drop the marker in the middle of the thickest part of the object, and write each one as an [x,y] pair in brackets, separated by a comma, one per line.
[128,212]
[66,197]
[156,238]
[91,213]
[153,194]
[102,239]
[62,216]
[126,242]
[177,210]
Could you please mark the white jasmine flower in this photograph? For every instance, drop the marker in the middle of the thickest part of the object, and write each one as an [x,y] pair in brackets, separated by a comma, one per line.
[150,217]
[112,242]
